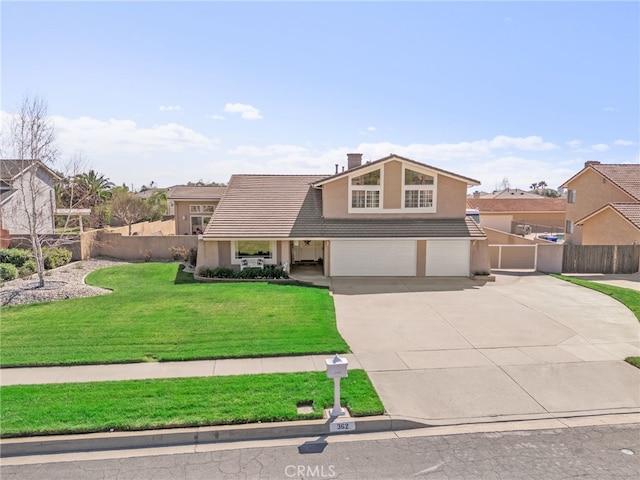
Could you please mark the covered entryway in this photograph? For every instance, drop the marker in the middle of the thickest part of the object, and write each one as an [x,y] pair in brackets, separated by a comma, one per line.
[373,258]
[448,258]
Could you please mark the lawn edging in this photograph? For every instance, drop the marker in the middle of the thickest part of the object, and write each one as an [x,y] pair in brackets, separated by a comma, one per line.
[629,298]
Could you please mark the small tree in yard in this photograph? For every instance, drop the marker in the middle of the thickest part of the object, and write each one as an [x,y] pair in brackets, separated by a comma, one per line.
[127,208]
[30,138]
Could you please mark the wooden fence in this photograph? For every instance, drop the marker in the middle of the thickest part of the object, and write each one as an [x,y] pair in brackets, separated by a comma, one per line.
[601,258]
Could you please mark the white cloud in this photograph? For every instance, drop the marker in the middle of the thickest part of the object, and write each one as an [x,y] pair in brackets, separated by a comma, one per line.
[574,143]
[600,147]
[170,108]
[248,112]
[215,117]
[609,109]
[623,143]
[522,143]
[267,151]
[371,129]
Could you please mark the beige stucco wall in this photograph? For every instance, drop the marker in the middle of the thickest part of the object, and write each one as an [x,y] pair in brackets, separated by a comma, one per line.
[497,221]
[609,228]
[451,196]
[183,226]
[137,247]
[421,258]
[392,185]
[550,258]
[480,259]
[549,219]
[593,191]
[208,256]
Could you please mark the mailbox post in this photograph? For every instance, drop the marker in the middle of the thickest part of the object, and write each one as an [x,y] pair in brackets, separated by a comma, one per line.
[336,369]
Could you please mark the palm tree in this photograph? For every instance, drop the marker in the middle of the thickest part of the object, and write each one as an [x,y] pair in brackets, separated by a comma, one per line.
[94,188]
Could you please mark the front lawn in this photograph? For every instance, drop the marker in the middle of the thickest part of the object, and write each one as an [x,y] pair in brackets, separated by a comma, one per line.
[626,296]
[178,402]
[152,317]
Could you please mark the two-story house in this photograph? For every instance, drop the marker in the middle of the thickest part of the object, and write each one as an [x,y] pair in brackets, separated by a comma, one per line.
[390,217]
[193,207]
[603,205]
[27,196]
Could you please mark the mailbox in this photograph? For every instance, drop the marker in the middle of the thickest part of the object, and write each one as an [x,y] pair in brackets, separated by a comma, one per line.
[337,367]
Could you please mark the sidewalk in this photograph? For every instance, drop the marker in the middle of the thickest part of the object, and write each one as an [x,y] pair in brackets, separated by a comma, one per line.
[136,371]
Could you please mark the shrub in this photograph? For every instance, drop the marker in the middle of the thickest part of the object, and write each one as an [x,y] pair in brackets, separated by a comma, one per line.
[28,268]
[193,256]
[269,272]
[14,256]
[56,257]
[8,272]
[179,253]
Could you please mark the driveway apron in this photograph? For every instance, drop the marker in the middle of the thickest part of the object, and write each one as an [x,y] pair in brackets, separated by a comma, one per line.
[527,346]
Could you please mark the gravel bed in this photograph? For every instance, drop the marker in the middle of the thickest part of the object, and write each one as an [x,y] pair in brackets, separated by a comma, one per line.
[59,283]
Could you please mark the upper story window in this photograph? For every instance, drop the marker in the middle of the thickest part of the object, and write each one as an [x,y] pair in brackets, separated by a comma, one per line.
[418,190]
[201,208]
[365,191]
[571,196]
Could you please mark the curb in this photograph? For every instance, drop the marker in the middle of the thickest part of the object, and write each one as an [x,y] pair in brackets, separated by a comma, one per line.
[91,442]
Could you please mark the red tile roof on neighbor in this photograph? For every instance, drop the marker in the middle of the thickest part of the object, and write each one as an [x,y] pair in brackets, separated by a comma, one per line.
[629,211]
[624,176]
[287,206]
[509,205]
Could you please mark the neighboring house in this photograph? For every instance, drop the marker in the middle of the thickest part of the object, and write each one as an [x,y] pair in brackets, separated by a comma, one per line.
[23,184]
[603,202]
[193,207]
[390,217]
[542,213]
[613,224]
[506,193]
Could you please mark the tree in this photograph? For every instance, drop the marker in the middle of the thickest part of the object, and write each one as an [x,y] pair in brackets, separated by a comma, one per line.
[127,208]
[31,140]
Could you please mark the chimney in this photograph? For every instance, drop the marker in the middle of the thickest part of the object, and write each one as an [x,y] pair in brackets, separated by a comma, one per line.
[336,168]
[354,160]
[591,162]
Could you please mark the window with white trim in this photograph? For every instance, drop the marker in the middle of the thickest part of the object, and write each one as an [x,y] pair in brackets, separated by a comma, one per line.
[365,191]
[201,208]
[418,190]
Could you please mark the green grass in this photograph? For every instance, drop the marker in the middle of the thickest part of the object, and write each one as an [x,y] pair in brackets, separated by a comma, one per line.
[626,296]
[154,313]
[145,404]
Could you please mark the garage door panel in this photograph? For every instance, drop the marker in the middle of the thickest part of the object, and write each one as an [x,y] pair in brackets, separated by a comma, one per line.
[373,258]
[448,258]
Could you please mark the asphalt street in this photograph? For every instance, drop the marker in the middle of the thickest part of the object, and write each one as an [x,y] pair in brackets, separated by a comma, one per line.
[598,452]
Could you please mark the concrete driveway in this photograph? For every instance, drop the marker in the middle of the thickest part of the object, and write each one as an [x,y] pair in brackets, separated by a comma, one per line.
[454,351]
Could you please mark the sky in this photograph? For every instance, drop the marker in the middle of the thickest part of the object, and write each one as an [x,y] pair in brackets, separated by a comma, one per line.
[172,92]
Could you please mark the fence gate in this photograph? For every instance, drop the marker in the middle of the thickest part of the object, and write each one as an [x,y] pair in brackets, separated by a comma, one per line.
[600,258]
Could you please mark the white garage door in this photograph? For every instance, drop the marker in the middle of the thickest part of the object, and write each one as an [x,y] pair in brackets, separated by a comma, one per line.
[448,258]
[373,258]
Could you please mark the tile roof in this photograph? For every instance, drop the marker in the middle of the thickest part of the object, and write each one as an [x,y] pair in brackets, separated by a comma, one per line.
[286,206]
[260,206]
[630,211]
[504,205]
[625,176]
[510,193]
[196,193]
